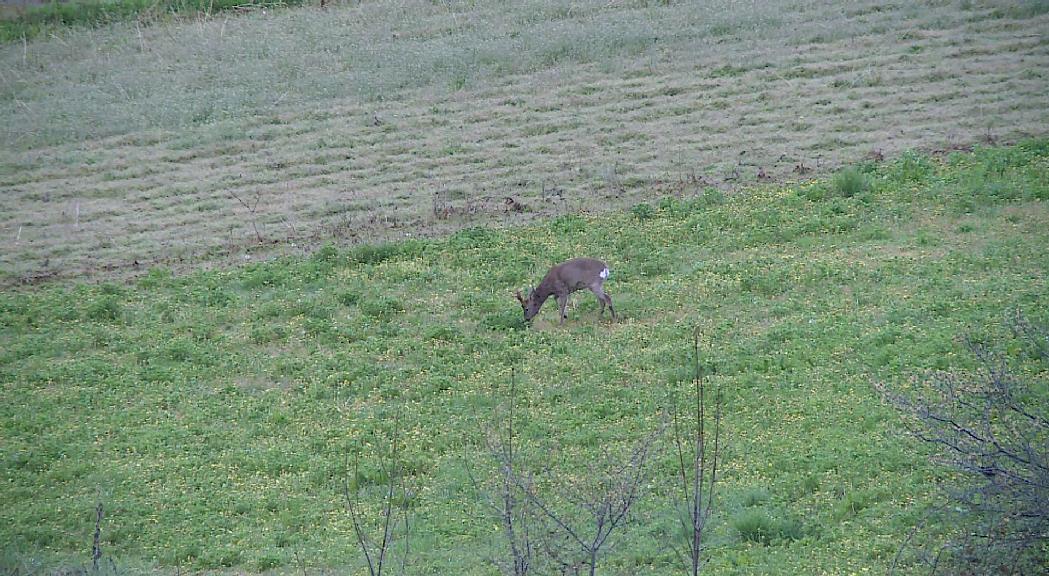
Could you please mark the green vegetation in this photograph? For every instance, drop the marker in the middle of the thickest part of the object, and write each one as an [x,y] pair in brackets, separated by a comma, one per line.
[215,414]
[758,527]
[849,182]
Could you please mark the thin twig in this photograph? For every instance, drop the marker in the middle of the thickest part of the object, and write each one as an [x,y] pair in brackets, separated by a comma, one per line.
[353,504]
[96,545]
[251,210]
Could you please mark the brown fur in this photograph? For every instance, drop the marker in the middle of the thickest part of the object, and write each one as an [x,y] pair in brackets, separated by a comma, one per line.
[562,280]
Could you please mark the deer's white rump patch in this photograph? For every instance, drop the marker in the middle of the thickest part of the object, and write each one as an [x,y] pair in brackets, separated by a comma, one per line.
[604,273]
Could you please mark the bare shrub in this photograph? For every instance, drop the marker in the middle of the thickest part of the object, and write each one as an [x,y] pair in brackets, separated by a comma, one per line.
[565,527]
[390,495]
[697,461]
[595,505]
[506,501]
[992,427]
[252,209]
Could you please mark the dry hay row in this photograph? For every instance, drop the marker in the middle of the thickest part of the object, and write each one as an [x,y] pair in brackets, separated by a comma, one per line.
[363,171]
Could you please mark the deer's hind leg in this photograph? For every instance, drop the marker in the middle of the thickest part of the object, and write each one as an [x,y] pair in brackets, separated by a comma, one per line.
[604,299]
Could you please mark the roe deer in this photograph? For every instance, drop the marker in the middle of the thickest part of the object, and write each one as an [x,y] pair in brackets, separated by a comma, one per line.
[565,278]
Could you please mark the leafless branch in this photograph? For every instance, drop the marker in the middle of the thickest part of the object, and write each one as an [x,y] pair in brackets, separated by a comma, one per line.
[608,503]
[992,427]
[394,499]
[505,500]
[96,545]
[697,464]
[252,211]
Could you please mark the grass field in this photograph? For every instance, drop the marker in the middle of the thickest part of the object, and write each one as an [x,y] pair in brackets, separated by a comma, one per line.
[21,20]
[127,146]
[214,413]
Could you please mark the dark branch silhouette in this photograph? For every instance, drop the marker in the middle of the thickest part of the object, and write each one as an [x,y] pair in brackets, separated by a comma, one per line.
[697,462]
[395,498]
[608,505]
[506,501]
[992,426]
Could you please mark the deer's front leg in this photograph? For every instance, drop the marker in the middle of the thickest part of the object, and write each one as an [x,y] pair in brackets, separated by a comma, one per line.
[562,302]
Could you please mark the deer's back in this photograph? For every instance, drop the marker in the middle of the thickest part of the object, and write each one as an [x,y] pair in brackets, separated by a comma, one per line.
[577,273]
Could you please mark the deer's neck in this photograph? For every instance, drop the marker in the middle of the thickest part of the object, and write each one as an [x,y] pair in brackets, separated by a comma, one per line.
[543,291]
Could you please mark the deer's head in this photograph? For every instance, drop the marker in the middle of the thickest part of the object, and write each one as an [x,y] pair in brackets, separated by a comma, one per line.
[529,305]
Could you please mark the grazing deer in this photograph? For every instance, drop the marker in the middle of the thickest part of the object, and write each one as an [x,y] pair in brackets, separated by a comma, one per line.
[565,278]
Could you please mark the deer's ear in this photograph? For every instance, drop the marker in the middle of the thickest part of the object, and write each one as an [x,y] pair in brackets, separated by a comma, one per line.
[519,297]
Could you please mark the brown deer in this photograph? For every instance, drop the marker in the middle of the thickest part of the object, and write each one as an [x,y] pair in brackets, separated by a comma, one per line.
[565,278]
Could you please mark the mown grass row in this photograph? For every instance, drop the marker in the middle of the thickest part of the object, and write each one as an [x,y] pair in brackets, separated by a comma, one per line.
[214,414]
[32,20]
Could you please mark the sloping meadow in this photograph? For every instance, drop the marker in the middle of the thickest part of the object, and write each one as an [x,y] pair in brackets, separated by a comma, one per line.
[215,415]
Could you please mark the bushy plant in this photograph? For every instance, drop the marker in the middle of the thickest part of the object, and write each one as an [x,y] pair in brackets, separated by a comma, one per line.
[760,527]
[642,211]
[850,182]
